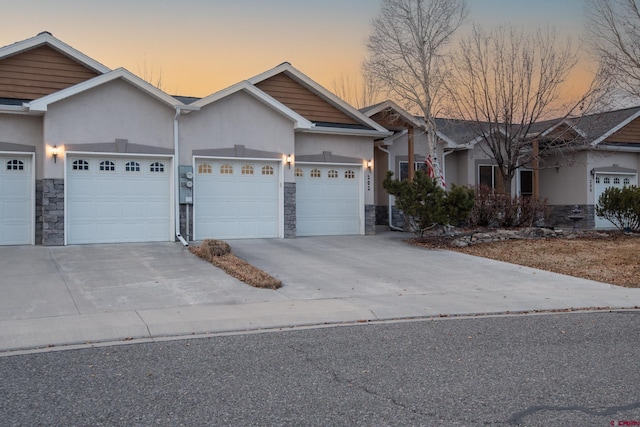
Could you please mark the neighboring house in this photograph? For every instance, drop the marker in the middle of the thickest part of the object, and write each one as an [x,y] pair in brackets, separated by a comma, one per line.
[93,155]
[605,152]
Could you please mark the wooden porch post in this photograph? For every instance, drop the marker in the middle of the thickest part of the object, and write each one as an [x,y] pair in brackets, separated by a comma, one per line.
[411,154]
[536,166]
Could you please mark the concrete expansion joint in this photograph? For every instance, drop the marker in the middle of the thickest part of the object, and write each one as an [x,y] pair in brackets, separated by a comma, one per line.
[146,325]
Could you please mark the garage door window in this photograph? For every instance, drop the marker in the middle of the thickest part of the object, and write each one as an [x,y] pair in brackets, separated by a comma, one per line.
[247,170]
[156,167]
[332,173]
[205,168]
[107,166]
[627,181]
[15,165]
[267,170]
[350,174]
[226,170]
[315,173]
[80,165]
[299,172]
[132,167]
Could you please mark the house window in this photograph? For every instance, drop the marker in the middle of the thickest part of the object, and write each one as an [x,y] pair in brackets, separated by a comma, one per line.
[332,173]
[80,165]
[315,173]
[349,174]
[132,167]
[267,170]
[205,168]
[526,183]
[226,169]
[107,166]
[15,165]
[299,172]
[404,169]
[488,176]
[246,170]
[156,167]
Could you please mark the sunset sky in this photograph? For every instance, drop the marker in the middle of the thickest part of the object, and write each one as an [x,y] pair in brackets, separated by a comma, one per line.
[201,46]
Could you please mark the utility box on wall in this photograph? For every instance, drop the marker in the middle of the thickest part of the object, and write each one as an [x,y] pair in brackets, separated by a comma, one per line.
[186,184]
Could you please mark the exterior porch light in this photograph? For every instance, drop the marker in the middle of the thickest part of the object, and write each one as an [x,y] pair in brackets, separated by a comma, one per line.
[54,153]
[289,160]
[369,164]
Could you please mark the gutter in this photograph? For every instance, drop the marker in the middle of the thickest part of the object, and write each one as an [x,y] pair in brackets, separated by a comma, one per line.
[176,170]
[391,226]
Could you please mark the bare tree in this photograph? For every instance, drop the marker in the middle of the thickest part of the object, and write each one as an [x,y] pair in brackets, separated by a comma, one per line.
[360,94]
[407,55]
[152,73]
[504,84]
[614,28]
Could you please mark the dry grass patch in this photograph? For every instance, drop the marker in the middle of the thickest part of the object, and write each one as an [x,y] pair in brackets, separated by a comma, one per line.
[614,259]
[219,254]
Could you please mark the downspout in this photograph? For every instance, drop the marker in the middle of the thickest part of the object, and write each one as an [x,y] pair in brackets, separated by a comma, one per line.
[176,176]
[391,226]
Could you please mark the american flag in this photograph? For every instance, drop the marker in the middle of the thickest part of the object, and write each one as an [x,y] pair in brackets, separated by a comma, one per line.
[431,170]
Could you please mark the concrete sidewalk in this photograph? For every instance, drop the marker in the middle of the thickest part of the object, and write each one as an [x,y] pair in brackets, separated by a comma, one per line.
[56,296]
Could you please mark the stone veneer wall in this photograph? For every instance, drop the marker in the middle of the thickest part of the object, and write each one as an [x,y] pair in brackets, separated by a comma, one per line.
[38,213]
[289,210]
[186,234]
[382,215]
[50,216]
[560,217]
[369,219]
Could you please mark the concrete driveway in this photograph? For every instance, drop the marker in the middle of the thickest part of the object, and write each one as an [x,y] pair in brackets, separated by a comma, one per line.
[95,293]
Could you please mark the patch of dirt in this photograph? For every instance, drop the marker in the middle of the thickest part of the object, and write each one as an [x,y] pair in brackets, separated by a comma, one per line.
[605,257]
[219,254]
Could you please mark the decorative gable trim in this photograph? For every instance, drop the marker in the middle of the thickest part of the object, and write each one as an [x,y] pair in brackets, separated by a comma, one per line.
[48,39]
[43,103]
[326,95]
[245,86]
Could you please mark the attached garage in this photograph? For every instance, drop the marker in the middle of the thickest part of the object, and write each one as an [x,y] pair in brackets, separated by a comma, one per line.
[607,180]
[329,200]
[16,199]
[117,199]
[236,199]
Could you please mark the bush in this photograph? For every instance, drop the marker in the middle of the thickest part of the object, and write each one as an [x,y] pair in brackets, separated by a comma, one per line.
[494,209]
[426,205]
[621,206]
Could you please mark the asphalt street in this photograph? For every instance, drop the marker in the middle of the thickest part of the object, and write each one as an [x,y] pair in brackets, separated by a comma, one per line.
[577,369]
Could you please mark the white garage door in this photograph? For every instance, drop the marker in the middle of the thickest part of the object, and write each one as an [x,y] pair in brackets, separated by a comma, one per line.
[604,181]
[118,199]
[328,200]
[16,200]
[236,199]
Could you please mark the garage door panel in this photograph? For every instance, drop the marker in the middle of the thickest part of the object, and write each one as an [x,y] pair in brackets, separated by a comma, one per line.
[236,205]
[16,200]
[118,205]
[328,204]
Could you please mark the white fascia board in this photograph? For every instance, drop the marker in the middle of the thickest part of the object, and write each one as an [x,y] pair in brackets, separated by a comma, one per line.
[616,128]
[13,109]
[41,104]
[450,142]
[299,121]
[401,111]
[391,139]
[349,132]
[569,124]
[318,90]
[46,38]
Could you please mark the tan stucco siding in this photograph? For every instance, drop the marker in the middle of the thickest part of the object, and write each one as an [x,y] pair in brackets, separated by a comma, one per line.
[24,130]
[564,180]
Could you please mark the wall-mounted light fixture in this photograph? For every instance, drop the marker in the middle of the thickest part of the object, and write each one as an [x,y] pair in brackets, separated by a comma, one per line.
[54,153]
[369,164]
[289,160]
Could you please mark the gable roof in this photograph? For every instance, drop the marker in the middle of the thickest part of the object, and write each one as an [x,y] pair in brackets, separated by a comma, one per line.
[364,126]
[46,38]
[41,104]
[299,121]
